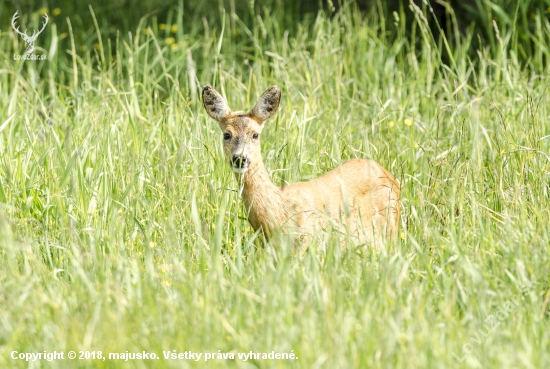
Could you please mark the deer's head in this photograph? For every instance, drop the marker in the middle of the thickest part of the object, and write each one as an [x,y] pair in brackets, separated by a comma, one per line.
[241,132]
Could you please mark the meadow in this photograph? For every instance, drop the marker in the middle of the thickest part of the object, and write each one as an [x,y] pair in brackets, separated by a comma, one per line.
[121,229]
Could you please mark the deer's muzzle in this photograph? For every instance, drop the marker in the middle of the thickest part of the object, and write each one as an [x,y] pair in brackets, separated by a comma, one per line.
[240,163]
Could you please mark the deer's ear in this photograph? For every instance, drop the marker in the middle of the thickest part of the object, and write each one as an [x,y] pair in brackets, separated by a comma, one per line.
[214,104]
[267,105]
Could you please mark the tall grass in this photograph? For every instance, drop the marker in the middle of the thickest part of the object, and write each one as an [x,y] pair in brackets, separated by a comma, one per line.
[121,228]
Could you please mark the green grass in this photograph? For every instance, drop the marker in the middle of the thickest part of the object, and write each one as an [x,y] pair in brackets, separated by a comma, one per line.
[121,229]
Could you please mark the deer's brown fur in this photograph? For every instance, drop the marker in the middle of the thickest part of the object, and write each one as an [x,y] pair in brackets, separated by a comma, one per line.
[360,197]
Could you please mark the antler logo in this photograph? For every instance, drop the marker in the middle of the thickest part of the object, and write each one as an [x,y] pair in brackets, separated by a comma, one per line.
[29,40]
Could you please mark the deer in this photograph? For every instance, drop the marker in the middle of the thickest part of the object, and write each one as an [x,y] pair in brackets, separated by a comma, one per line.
[28,39]
[360,197]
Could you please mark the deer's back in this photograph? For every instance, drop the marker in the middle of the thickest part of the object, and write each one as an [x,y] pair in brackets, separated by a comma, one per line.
[360,191]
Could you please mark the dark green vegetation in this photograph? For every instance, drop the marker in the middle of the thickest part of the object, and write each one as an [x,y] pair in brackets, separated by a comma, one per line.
[121,229]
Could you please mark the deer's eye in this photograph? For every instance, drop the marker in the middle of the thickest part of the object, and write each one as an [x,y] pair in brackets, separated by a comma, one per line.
[227,136]
[255,136]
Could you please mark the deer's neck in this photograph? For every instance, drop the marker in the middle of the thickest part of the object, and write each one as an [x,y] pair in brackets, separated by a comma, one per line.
[264,201]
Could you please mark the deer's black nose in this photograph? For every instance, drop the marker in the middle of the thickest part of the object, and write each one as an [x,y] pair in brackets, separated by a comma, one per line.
[239,161]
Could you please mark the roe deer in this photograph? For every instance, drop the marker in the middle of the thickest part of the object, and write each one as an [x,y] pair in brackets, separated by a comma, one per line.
[360,196]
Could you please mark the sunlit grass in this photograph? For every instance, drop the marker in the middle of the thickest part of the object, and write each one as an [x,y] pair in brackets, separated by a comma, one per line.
[121,228]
